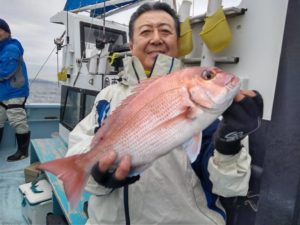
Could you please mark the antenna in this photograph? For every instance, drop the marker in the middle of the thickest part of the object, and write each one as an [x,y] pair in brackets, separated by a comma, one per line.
[100,43]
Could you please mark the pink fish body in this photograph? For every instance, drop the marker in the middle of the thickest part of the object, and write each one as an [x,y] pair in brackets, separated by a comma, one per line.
[161,114]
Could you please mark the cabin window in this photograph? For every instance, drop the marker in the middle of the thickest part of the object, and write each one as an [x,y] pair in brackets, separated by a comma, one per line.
[89,102]
[76,103]
[92,34]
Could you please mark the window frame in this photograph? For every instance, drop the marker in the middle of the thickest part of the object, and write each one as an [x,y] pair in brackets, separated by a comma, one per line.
[83,93]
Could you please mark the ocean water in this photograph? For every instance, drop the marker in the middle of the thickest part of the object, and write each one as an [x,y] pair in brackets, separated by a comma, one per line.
[43,91]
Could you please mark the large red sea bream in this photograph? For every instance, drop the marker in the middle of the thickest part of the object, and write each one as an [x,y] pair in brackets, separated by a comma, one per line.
[161,114]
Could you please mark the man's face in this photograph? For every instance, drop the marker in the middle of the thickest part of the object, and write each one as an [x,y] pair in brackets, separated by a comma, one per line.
[154,32]
[3,34]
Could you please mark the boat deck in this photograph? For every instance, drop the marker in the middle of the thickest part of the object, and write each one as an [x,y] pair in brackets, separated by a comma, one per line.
[46,149]
[43,122]
[11,176]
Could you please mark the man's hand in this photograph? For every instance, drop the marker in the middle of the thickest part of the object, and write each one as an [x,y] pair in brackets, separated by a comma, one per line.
[116,179]
[239,120]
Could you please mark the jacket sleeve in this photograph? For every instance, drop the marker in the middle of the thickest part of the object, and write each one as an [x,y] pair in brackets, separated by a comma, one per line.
[230,174]
[221,175]
[9,61]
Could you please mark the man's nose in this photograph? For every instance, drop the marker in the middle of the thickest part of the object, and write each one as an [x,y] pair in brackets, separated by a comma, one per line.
[156,37]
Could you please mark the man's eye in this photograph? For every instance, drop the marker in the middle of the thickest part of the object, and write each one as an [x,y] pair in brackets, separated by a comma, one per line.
[207,75]
[145,32]
[165,32]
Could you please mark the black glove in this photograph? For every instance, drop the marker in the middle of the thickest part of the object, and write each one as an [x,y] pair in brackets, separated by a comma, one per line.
[239,120]
[108,179]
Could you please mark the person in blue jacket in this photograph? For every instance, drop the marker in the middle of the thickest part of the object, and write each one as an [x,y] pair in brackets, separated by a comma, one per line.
[14,90]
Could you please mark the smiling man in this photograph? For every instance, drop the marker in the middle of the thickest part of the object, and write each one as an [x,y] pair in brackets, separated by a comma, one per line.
[171,190]
[154,32]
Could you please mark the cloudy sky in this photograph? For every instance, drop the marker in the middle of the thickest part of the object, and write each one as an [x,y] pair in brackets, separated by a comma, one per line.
[29,21]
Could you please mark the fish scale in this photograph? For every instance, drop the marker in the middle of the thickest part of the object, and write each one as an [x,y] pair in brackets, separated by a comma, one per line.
[152,115]
[161,114]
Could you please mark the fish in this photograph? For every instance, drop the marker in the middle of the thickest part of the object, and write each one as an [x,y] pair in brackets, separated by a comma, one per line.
[162,113]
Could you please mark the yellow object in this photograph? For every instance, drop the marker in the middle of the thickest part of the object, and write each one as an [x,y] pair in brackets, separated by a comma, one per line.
[185,39]
[31,172]
[111,59]
[147,72]
[216,33]
[62,75]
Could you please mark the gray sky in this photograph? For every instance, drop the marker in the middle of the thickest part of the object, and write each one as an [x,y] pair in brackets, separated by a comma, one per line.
[29,21]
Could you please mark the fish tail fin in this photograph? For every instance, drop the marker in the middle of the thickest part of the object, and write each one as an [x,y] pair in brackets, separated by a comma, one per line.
[73,175]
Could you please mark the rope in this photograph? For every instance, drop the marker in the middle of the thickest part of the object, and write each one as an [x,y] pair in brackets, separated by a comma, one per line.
[42,66]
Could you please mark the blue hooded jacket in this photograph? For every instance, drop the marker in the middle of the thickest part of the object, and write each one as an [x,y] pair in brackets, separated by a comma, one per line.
[13,72]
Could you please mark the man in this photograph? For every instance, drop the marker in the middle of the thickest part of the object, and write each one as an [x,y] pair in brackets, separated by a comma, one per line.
[14,90]
[171,191]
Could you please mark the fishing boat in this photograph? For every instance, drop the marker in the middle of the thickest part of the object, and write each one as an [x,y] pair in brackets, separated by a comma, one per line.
[262,48]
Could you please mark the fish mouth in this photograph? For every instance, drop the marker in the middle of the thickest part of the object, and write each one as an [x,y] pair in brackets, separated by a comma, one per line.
[225,79]
[232,84]
[232,81]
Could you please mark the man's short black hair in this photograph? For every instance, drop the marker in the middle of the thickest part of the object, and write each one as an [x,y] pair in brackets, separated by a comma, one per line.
[157,6]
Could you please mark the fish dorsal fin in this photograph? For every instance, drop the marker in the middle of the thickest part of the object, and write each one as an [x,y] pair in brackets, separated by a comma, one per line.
[150,87]
[136,90]
[147,86]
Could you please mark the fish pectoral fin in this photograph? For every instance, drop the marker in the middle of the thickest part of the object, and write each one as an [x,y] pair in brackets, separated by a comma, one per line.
[192,147]
[169,122]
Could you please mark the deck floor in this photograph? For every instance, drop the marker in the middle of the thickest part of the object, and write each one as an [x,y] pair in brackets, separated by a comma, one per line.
[11,176]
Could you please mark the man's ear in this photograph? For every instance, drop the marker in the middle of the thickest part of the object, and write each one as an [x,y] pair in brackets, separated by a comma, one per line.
[130,45]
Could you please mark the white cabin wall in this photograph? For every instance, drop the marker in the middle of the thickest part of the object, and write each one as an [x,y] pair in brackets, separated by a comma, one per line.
[72,52]
[257,41]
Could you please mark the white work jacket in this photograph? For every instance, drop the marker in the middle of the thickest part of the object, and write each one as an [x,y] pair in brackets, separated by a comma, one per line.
[169,191]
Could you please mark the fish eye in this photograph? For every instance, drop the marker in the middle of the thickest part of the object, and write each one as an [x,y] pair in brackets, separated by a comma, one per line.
[207,75]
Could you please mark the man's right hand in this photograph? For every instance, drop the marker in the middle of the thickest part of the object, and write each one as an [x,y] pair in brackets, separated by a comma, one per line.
[116,179]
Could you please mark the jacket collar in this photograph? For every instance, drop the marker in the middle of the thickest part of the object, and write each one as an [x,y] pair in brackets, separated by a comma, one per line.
[134,72]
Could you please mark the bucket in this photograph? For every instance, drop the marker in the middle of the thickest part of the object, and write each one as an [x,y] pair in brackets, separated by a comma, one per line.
[185,39]
[216,32]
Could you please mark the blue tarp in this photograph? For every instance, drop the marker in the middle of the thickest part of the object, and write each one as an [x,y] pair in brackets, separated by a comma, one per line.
[75,4]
